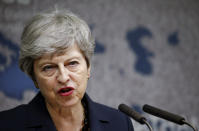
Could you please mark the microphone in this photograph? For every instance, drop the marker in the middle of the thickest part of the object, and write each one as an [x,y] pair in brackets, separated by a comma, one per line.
[135,115]
[166,115]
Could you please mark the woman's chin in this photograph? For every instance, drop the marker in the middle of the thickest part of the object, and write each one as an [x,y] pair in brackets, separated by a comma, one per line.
[70,102]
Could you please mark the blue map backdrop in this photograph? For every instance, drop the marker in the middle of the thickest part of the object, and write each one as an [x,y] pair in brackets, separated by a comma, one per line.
[13,81]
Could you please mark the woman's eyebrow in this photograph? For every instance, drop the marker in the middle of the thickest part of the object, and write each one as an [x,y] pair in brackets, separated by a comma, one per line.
[43,62]
[76,57]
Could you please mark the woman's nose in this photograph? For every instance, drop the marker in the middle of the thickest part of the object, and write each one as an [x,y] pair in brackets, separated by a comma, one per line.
[63,75]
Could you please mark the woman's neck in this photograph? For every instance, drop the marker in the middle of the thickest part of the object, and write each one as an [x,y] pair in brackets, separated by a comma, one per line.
[67,118]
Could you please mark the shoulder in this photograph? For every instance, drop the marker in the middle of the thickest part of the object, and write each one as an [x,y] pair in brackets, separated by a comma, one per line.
[107,110]
[105,114]
[110,113]
[103,110]
[13,118]
[116,119]
[17,111]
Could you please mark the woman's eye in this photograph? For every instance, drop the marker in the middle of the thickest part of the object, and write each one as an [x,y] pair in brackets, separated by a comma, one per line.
[48,67]
[48,70]
[72,63]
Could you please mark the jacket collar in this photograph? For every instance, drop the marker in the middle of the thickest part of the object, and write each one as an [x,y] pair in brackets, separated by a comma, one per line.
[38,116]
[98,118]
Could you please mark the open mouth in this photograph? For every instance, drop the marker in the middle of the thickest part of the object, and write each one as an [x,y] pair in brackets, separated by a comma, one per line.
[66,91]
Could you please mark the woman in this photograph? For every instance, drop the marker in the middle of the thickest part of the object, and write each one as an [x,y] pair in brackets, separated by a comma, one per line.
[55,52]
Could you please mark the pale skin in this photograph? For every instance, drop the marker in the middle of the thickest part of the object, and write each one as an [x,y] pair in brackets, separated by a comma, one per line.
[55,71]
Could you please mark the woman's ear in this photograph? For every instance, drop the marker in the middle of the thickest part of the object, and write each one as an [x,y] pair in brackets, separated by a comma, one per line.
[34,79]
[35,83]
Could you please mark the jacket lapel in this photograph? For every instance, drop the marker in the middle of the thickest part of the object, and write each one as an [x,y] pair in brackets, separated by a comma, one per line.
[38,116]
[39,119]
[98,119]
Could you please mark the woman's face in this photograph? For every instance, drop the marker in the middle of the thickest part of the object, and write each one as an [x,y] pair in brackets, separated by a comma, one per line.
[62,77]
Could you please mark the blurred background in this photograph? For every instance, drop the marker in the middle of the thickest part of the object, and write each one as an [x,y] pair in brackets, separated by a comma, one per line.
[146,53]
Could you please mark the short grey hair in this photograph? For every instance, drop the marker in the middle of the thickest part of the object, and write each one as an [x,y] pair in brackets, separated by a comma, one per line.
[52,32]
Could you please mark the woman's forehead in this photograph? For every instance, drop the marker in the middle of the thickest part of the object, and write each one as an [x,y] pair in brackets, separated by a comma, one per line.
[71,51]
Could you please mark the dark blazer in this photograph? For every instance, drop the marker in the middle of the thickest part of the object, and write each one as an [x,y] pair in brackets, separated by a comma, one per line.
[35,117]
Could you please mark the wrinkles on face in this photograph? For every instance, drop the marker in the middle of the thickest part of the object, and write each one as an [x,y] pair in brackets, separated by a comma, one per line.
[53,72]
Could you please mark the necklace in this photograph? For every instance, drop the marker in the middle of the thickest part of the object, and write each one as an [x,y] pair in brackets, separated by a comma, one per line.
[85,122]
